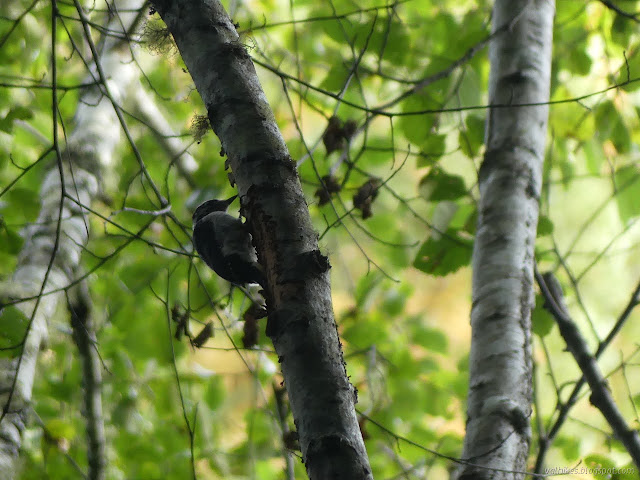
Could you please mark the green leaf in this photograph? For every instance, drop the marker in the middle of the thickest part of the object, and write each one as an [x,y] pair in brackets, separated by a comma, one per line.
[379,151]
[630,71]
[472,138]
[562,161]
[201,295]
[259,422]
[405,397]
[545,226]
[418,128]
[10,241]
[395,39]
[394,301]
[437,401]
[59,429]
[626,472]
[451,382]
[463,363]
[594,156]
[469,89]
[441,28]
[403,361]
[24,201]
[600,464]
[450,444]
[432,339]
[139,274]
[570,447]
[13,329]
[432,149]
[465,218]
[366,331]
[541,320]
[336,78]
[423,435]
[366,290]
[16,113]
[444,254]
[611,126]
[579,62]
[621,137]
[626,188]
[621,30]
[64,387]
[151,470]
[215,392]
[438,185]
[569,119]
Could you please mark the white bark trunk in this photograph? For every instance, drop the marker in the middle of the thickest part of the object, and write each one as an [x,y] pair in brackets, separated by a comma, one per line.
[499,401]
[49,256]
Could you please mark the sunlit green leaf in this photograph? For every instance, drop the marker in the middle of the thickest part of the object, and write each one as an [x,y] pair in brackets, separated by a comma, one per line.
[545,226]
[443,254]
[600,464]
[621,30]
[611,126]
[472,138]
[16,113]
[438,185]
[417,128]
[626,184]
[541,320]
[630,71]
[570,447]
[430,338]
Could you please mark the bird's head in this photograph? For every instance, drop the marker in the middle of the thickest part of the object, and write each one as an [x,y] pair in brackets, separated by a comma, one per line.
[210,206]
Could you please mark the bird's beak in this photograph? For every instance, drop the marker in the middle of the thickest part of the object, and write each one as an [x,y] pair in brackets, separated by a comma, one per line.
[229,201]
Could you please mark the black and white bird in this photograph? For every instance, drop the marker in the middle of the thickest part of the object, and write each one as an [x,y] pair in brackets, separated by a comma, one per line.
[224,243]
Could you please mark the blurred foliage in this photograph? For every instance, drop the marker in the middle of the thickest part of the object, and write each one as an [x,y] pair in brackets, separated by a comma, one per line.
[407,73]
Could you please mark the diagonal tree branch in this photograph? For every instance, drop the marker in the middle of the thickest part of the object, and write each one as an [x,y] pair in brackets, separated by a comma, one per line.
[301,322]
[80,309]
[601,397]
[564,408]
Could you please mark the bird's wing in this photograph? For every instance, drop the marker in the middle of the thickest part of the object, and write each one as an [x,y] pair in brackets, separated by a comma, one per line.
[237,240]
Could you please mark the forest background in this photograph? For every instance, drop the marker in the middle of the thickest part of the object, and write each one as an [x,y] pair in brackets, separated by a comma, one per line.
[398,229]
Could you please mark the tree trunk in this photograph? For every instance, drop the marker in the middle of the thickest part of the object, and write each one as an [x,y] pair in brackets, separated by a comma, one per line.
[301,322]
[499,401]
[54,243]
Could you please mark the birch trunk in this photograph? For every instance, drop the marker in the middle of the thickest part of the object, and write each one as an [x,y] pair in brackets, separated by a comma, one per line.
[54,243]
[301,322]
[499,402]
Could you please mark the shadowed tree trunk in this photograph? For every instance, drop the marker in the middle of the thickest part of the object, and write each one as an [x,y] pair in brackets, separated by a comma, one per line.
[301,322]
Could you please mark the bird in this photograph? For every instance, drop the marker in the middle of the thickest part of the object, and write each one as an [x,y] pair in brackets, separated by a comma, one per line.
[224,243]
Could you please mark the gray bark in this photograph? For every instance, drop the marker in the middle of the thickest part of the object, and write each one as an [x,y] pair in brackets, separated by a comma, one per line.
[301,322]
[601,396]
[499,402]
[84,337]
